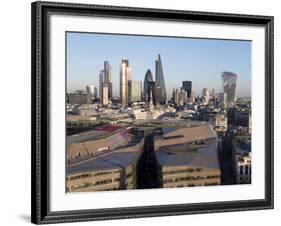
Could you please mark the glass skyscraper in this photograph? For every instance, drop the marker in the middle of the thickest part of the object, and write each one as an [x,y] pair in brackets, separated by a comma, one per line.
[107,77]
[229,83]
[187,86]
[147,78]
[101,81]
[125,76]
[160,89]
[134,91]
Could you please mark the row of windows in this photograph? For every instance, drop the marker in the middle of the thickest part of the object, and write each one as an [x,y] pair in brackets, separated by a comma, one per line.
[190,178]
[247,170]
[208,184]
[90,175]
[182,171]
[193,185]
[86,185]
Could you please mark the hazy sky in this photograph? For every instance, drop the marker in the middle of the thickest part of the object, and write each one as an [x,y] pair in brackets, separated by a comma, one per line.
[198,60]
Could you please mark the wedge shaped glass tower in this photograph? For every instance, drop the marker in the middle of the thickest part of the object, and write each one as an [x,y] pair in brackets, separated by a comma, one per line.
[160,89]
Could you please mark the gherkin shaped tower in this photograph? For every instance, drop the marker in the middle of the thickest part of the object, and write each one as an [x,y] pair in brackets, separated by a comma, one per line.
[147,78]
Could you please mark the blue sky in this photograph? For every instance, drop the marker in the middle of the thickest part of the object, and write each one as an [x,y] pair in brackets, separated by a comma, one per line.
[198,60]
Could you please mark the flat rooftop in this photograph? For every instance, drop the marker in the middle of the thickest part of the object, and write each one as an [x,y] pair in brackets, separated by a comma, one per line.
[242,146]
[185,135]
[203,156]
[117,159]
[192,146]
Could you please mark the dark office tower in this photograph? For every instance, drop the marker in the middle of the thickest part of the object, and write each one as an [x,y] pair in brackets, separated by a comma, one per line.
[187,86]
[107,77]
[147,78]
[160,89]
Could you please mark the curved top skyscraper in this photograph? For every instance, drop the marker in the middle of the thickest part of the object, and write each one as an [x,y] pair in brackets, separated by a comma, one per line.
[147,79]
[160,89]
[229,83]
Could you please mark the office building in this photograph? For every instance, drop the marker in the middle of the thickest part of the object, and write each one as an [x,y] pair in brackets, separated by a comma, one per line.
[221,99]
[221,122]
[79,97]
[146,92]
[134,91]
[115,171]
[101,81]
[151,92]
[160,88]
[125,76]
[229,83]
[241,154]
[250,123]
[187,86]
[182,97]
[108,77]
[205,96]
[91,91]
[105,94]
[187,157]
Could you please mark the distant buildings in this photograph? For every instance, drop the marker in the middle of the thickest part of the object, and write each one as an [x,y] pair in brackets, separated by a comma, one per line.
[108,78]
[221,122]
[187,86]
[79,97]
[148,78]
[229,82]
[125,76]
[205,96]
[180,97]
[105,94]
[91,90]
[221,99]
[134,91]
[160,88]
[101,81]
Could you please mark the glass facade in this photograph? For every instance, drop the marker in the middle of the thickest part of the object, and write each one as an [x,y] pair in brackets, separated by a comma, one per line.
[160,88]
[229,83]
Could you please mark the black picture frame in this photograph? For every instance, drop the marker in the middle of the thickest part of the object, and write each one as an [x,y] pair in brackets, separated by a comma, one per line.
[40,211]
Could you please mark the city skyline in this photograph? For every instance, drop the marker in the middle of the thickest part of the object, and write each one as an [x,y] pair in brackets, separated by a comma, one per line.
[198,60]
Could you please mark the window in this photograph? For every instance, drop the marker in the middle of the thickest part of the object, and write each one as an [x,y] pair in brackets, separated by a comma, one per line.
[241,170]
[246,169]
[108,181]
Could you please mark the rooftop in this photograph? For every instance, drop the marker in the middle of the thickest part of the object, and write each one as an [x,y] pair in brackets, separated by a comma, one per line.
[203,156]
[193,146]
[185,135]
[242,146]
[116,159]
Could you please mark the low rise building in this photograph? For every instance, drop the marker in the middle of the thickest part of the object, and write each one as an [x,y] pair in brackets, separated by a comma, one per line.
[241,153]
[115,170]
[188,157]
[105,141]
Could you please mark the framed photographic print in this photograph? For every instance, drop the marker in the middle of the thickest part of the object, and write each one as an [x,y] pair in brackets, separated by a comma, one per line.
[141,112]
